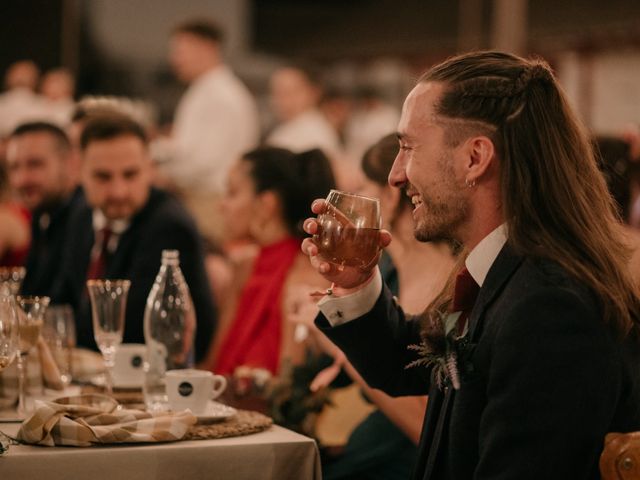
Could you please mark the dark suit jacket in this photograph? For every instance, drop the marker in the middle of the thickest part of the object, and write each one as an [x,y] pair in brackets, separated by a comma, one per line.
[48,239]
[161,224]
[543,383]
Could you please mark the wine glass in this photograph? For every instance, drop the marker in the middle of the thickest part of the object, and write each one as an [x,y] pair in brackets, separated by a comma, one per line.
[108,303]
[30,320]
[348,233]
[9,334]
[59,331]
[12,277]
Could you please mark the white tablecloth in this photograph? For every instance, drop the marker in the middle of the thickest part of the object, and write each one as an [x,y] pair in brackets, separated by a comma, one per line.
[275,454]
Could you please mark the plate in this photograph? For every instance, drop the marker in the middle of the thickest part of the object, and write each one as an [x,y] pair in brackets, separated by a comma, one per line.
[216,412]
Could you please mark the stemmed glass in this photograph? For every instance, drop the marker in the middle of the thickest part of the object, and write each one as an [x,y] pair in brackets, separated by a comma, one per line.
[30,320]
[108,303]
[348,233]
[59,332]
[12,278]
[9,334]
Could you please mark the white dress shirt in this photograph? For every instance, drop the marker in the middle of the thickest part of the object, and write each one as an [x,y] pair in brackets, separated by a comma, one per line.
[117,228]
[215,123]
[304,132]
[17,106]
[339,310]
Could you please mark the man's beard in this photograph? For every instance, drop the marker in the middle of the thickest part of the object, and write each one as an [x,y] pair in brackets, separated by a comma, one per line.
[441,221]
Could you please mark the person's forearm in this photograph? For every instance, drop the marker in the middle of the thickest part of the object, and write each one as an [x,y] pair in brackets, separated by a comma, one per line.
[406,413]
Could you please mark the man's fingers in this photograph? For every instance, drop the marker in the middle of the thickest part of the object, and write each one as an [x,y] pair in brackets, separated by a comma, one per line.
[309,248]
[385,238]
[310,226]
[318,206]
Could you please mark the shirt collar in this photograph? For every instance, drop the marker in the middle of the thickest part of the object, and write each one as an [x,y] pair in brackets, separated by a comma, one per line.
[100,221]
[481,258]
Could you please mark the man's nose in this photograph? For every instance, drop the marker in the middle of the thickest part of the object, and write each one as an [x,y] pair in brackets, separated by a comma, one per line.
[118,189]
[397,175]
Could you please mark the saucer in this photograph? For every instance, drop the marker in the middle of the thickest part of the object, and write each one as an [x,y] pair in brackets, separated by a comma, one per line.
[128,384]
[216,412]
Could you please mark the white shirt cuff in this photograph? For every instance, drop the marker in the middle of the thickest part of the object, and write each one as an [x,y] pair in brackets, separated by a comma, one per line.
[339,310]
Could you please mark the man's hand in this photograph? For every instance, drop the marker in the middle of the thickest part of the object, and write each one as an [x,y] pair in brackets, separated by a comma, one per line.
[346,277]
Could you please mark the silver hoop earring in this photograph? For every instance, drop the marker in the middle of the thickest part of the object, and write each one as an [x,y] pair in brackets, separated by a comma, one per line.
[469,184]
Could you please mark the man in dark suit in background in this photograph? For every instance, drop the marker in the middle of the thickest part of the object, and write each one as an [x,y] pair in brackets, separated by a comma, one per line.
[122,233]
[545,360]
[38,157]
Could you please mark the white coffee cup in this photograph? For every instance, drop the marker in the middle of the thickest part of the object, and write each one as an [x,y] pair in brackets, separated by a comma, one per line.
[192,389]
[128,370]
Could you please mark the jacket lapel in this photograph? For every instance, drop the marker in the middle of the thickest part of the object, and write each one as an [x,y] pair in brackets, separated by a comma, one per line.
[500,272]
[441,403]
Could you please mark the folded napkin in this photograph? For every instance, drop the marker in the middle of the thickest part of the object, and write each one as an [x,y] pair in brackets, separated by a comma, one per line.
[94,419]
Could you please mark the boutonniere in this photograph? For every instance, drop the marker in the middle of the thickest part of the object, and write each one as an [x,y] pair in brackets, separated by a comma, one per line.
[441,352]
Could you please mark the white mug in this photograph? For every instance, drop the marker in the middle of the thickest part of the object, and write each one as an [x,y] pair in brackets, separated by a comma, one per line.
[128,371]
[192,389]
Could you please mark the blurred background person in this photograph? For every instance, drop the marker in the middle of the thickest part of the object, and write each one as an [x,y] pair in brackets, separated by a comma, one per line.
[124,228]
[267,194]
[57,88]
[15,234]
[38,164]
[95,106]
[615,161]
[20,102]
[336,104]
[215,121]
[372,118]
[295,93]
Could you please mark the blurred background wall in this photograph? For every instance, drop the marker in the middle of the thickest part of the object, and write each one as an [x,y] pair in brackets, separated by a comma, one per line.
[119,46]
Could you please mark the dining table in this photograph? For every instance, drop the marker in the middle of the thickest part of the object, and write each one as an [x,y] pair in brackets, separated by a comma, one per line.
[272,454]
[275,454]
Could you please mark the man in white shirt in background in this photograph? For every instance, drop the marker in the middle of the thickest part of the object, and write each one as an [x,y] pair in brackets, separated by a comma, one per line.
[215,121]
[20,103]
[295,95]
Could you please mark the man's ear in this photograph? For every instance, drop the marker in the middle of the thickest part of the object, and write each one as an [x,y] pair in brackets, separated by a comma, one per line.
[481,154]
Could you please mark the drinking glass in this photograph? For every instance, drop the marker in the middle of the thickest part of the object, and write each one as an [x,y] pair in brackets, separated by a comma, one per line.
[108,303]
[59,331]
[348,231]
[9,334]
[30,320]
[12,277]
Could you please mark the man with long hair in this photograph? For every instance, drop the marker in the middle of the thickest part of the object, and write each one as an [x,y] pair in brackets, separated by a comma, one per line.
[527,378]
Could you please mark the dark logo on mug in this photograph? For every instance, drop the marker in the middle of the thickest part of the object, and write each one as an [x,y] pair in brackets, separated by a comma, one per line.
[185,389]
[136,361]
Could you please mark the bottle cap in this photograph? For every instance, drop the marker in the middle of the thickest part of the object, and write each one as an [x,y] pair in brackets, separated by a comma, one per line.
[172,256]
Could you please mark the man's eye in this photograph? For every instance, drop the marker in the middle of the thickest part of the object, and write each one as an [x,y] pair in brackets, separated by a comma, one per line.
[101,177]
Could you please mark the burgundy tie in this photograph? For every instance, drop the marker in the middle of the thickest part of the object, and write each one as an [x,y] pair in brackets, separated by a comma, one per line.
[98,264]
[465,292]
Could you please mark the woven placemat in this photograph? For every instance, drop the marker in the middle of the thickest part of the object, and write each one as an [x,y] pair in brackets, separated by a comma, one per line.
[244,422]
